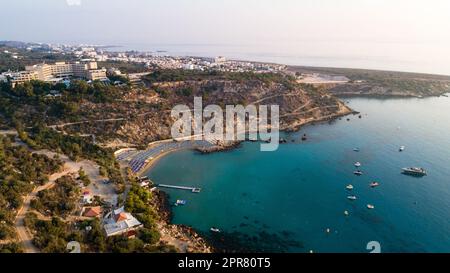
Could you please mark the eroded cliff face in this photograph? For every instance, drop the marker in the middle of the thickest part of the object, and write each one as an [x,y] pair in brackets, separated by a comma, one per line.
[143,115]
[297,105]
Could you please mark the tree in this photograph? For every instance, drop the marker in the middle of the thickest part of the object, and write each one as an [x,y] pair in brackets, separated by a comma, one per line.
[11,248]
[24,90]
[83,177]
[149,236]
[102,171]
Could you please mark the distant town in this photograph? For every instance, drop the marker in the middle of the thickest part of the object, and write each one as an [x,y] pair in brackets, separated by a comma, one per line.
[87,56]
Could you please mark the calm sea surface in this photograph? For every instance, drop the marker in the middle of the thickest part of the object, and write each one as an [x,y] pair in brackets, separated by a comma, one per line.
[285,201]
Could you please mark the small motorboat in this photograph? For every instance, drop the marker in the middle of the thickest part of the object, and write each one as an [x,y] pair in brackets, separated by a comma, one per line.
[401,149]
[358,173]
[369,206]
[358,164]
[356,150]
[374,184]
[216,230]
[349,187]
[346,213]
[180,203]
[352,197]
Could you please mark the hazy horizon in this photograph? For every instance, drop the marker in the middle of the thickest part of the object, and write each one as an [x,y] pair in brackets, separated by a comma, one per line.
[390,35]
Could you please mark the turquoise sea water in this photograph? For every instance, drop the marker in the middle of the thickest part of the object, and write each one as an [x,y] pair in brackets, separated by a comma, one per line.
[284,201]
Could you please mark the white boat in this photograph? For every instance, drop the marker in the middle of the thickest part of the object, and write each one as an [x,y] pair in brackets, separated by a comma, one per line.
[349,187]
[358,173]
[402,148]
[415,171]
[346,213]
[351,197]
[180,203]
[356,149]
[216,230]
[358,164]
[369,206]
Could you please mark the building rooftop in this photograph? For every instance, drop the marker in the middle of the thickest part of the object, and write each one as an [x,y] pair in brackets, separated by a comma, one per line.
[120,222]
[92,212]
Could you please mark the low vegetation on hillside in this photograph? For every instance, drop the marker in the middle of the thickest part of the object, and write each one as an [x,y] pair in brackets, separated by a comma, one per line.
[20,172]
[383,83]
[60,200]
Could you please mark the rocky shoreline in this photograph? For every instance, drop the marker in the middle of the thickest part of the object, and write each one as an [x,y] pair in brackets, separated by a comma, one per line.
[218,148]
[184,238]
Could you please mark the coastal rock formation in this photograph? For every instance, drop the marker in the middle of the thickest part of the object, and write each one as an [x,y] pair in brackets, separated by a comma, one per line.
[376,83]
[299,104]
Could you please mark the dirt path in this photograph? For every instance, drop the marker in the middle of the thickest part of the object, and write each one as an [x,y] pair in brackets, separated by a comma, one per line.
[24,235]
[8,132]
[70,167]
[273,96]
[86,121]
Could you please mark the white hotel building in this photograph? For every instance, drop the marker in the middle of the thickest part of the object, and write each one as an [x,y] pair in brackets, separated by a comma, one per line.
[60,70]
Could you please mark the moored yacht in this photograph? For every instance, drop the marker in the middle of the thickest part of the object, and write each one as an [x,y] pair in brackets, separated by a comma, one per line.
[214,229]
[416,171]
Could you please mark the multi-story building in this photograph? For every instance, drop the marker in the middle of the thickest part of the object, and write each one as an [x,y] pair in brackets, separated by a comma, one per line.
[23,76]
[58,71]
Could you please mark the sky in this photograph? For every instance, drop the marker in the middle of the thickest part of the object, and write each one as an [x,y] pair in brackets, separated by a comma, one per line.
[411,35]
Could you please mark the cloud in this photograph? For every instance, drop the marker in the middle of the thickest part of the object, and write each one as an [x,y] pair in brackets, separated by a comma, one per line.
[73,2]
